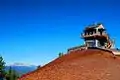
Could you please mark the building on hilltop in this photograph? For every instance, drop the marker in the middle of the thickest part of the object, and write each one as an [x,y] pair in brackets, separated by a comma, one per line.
[95,36]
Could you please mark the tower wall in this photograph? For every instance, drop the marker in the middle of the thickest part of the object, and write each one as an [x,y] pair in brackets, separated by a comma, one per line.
[93,43]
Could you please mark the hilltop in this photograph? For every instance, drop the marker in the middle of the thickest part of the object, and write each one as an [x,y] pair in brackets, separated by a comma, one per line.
[90,64]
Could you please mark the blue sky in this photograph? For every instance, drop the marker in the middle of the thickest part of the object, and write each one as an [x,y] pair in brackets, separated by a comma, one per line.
[35,31]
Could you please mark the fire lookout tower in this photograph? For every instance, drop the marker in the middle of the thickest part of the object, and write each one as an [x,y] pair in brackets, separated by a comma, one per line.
[96,36]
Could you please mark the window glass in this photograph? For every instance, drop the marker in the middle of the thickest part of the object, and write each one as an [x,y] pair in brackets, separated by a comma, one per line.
[91,44]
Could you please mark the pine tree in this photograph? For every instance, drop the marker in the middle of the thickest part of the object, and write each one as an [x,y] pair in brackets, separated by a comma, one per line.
[60,54]
[12,74]
[2,68]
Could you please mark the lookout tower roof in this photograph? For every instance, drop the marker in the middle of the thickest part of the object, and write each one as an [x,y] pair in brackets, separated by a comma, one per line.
[95,26]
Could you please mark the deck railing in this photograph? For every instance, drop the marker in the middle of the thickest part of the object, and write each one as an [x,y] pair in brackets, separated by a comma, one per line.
[94,34]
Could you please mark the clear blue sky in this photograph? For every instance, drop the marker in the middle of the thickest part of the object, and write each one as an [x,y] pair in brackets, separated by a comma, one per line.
[35,31]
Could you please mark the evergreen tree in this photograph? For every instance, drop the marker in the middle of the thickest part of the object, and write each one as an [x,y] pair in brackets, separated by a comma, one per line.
[38,66]
[2,68]
[60,54]
[12,74]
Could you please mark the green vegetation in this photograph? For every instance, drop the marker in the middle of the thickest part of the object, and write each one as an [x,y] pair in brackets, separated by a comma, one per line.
[61,54]
[7,75]
[2,68]
[12,74]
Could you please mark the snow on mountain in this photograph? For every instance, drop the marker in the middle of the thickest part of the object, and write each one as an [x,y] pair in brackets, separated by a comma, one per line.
[21,64]
[21,68]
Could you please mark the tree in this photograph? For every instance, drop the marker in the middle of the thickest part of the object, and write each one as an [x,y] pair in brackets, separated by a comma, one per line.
[2,68]
[12,74]
[39,66]
[8,75]
[60,54]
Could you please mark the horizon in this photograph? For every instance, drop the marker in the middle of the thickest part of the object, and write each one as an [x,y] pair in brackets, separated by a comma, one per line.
[35,31]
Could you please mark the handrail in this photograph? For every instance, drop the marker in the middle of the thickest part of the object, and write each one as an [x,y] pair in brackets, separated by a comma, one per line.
[94,34]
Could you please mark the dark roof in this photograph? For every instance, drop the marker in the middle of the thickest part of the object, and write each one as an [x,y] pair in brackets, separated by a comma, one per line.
[93,26]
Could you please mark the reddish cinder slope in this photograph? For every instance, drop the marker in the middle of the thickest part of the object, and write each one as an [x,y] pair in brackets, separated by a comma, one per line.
[79,65]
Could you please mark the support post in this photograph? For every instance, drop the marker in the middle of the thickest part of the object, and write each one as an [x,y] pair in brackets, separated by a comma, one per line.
[96,43]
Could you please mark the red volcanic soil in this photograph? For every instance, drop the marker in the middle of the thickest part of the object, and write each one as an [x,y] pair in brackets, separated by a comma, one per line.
[91,64]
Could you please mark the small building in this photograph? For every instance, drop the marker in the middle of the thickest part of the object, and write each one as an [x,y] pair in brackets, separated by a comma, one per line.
[96,36]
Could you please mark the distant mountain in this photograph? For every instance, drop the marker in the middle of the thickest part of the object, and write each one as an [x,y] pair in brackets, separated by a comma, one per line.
[21,68]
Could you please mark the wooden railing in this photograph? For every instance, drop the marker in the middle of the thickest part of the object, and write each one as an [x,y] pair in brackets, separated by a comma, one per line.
[94,34]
